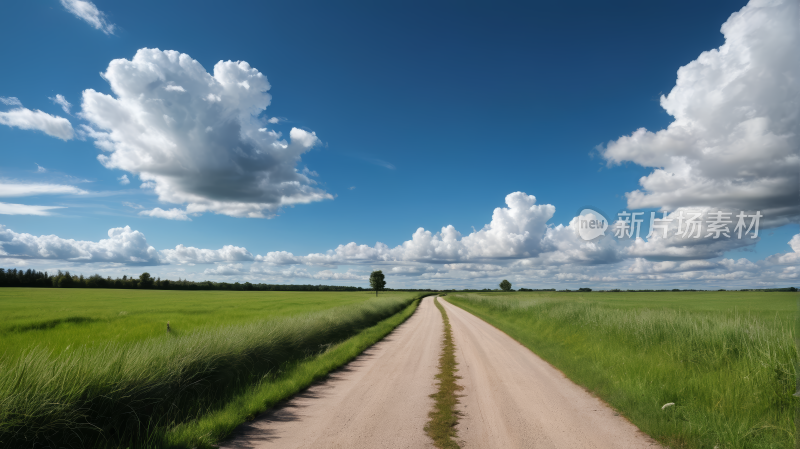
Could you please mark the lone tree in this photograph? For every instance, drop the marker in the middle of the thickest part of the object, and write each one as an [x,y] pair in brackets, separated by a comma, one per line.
[377,281]
[145,280]
[505,286]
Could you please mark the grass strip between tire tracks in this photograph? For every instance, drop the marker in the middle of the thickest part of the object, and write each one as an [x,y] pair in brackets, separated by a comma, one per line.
[444,416]
[212,428]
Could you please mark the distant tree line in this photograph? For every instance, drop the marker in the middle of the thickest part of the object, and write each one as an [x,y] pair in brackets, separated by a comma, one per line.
[616,290]
[785,289]
[31,278]
[13,277]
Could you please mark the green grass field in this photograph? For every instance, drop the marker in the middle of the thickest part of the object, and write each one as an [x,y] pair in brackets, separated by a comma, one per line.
[96,368]
[57,318]
[727,360]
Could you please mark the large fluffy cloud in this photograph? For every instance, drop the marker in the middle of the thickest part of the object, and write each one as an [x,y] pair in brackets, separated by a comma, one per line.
[514,232]
[123,245]
[24,118]
[789,258]
[565,246]
[735,140]
[197,138]
[519,232]
[191,255]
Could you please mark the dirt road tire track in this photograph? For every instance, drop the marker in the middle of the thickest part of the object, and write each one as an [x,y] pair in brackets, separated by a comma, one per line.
[514,399]
[379,400]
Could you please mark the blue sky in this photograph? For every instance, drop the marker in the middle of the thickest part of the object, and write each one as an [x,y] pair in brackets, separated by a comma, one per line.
[425,116]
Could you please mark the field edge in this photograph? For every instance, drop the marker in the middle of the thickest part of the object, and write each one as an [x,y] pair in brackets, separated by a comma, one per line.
[213,428]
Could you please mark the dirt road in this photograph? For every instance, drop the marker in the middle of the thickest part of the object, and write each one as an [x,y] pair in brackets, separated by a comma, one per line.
[514,399]
[379,400]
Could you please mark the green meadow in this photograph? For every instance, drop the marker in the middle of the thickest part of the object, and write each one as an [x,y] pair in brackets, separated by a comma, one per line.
[97,368]
[726,360]
[57,318]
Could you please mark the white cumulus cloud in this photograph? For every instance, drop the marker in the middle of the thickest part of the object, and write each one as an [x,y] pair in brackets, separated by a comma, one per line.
[122,246]
[203,145]
[230,269]
[88,12]
[279,258]
[261,273]
[124,180]
[328,275]
[516,244]
[171,214]
[515,231]
[735,140]
[51,125]
[191,255]
[790,258]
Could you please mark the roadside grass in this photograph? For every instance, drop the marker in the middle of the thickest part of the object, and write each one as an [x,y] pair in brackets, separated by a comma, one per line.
[131,393]
[207,431]
[57,318]
[443,418]
[729,370]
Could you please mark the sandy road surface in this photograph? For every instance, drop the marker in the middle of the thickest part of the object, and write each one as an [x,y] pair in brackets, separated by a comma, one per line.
[514,399]
[379,400]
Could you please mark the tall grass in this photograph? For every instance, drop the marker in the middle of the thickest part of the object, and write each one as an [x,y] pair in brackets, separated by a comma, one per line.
[72,317]
[206,431]
[731,375]
[122,394]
